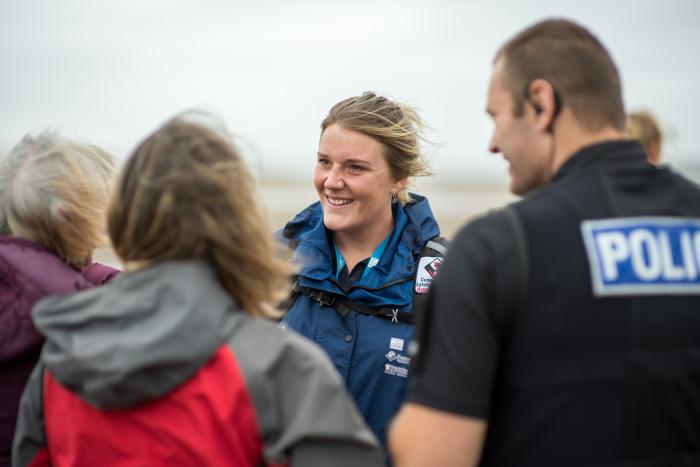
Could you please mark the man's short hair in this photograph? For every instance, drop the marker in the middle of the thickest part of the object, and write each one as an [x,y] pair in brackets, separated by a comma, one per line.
[574,62]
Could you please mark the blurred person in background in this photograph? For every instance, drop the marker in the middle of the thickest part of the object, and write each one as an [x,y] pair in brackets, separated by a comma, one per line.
[176,362]
[642,126]
[366,250]
[53,197]
[564,329]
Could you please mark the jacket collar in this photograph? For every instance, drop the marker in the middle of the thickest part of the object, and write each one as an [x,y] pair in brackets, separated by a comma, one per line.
[607,156]
[414,224]
[8,242]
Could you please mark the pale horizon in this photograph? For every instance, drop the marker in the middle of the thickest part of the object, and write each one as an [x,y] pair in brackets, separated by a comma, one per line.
[110,73]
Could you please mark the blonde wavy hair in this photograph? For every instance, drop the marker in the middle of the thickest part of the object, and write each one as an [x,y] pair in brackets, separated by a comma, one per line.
[397,126]
[54,191]
[642,126]
[186,194]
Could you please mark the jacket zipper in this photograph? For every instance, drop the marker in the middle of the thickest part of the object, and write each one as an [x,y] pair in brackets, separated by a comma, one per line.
[364,287]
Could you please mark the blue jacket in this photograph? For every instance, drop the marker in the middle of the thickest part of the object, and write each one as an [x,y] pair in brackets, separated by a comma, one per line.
[369,352]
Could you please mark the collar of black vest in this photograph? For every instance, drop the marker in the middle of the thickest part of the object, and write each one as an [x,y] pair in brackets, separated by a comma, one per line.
[606,156]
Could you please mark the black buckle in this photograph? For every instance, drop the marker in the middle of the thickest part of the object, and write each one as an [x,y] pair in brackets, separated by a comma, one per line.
[324,298]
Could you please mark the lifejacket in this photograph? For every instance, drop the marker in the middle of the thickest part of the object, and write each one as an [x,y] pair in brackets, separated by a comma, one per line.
[434,252]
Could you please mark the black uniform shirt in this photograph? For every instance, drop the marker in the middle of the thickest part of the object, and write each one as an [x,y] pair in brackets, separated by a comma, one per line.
[460,328]
[540,324]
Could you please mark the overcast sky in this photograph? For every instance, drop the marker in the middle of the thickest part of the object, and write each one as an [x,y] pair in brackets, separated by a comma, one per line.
[110,72]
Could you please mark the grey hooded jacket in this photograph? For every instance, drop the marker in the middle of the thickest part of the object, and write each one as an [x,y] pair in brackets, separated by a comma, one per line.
[142,341]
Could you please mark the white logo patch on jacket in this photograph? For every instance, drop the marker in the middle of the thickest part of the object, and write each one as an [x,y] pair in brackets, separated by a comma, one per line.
[428,268]
[398,358]
[394,370]
[396,343]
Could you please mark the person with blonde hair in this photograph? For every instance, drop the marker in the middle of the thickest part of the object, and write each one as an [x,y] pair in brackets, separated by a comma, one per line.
[367,250]
[172,364]
[642,126]
[53,196]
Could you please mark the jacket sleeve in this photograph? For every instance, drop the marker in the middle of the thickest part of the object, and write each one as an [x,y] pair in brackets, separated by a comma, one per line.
[465,318]
[303,410]
[99,274]
[29,447]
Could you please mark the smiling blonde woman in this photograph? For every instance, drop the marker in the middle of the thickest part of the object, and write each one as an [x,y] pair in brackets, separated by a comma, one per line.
[362,250]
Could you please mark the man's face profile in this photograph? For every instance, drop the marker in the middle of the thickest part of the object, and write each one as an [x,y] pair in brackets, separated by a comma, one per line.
[517,138]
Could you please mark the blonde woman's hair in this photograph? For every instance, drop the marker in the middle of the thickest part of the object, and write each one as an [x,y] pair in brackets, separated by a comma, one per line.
[54,191]
[642,126]
[397,126]
[186,194]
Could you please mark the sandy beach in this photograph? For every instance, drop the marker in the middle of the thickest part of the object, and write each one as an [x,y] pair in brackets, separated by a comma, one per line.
[452,204]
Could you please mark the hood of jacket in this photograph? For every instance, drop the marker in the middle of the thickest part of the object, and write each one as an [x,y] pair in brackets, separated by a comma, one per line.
[138,337]
[414,225]
[28,273]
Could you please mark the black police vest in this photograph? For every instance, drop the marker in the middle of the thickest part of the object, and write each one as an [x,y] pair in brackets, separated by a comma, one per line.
[591,380]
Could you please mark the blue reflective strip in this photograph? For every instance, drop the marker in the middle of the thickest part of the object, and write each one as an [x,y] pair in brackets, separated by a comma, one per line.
[339,260]
[643,255]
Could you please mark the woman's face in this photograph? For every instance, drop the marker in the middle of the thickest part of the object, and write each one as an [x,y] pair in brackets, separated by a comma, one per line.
[353,181]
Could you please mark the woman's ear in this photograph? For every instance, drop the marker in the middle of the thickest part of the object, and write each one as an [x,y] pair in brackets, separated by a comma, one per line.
[399,185]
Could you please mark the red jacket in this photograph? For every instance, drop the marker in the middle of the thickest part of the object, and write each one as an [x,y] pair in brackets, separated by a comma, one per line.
[161,368]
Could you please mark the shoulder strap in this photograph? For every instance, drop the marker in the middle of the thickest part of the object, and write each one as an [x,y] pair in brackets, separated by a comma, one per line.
[343,305]
[436,247]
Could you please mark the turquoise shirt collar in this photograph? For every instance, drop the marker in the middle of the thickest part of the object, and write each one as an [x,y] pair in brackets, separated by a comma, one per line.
[373,260]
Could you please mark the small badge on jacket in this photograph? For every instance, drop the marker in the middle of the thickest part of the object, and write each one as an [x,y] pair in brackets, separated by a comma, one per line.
[428,268]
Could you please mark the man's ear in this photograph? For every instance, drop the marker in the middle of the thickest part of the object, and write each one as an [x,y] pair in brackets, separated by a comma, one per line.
[541,97]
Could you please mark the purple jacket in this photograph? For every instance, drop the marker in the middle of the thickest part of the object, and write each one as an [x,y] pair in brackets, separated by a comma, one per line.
[28,273]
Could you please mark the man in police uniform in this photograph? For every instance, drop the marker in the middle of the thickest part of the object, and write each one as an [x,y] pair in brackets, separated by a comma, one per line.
[563,330]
